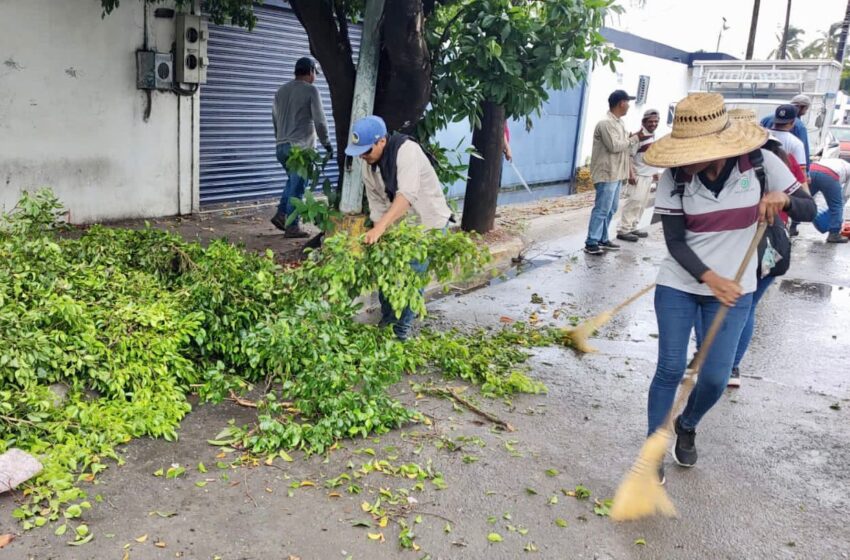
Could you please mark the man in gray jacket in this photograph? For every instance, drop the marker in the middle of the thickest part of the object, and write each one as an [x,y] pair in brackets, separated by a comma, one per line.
[297,115]
[609,167]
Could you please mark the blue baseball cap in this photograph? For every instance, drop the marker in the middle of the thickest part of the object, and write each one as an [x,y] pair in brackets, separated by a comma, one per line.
[364,134]
[785,114]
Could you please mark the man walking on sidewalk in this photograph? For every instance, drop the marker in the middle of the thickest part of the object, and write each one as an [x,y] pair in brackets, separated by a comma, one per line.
[645,176]
[609,167]
[297,115]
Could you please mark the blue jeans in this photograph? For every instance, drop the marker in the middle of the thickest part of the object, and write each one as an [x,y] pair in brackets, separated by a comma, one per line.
[295,184]
[747,333]
[831,191]
[677,312]
[604,208]
[401,324]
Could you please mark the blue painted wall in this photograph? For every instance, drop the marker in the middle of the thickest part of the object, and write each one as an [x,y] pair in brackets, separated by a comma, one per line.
[544,154]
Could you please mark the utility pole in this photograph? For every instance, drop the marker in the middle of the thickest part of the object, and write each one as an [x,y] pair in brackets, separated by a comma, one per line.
[784,46]
[723,28]
[365,85]
[751,43]
[842,40]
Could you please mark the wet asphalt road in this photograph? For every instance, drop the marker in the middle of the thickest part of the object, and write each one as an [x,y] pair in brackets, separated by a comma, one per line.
[772,479]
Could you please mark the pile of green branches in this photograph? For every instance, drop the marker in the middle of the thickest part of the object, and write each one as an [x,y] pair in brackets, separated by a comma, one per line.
[103,336]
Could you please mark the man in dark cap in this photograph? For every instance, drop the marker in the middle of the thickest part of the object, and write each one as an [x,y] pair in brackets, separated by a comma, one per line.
[609,167]
[298,116]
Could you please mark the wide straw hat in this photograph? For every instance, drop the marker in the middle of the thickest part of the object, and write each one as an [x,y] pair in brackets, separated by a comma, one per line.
[745,115]
[703,131]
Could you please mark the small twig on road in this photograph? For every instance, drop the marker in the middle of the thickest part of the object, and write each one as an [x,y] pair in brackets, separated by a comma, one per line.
[450,393]
[443,517]
[240,401]
[247,493]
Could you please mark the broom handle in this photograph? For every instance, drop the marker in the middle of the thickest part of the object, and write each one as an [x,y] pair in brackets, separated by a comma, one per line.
[716,324]
[632,299]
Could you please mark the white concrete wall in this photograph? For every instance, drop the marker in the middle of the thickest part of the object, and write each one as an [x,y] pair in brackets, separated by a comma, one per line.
[668,83]
[71,117]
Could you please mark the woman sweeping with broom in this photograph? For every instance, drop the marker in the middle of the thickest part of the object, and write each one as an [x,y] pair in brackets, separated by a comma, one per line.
[711,201]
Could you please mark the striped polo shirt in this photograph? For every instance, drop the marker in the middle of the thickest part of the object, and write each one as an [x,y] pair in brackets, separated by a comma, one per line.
[719,229]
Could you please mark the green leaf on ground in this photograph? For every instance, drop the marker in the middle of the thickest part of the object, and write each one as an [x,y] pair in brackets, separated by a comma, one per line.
[494,537]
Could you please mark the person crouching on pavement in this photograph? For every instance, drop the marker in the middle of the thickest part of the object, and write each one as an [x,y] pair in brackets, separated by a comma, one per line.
[709,213]
[640,184]
[609,167]
[397,177]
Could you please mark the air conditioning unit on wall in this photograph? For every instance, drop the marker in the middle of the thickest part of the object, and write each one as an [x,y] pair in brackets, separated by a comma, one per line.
[642,90]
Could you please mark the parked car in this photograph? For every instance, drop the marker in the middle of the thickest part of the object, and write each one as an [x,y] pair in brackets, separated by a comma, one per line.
[838,143]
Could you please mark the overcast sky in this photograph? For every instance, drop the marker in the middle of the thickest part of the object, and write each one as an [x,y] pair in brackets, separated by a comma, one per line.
[692,25]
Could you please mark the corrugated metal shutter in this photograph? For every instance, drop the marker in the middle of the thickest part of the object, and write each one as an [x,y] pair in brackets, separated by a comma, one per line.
[237,136]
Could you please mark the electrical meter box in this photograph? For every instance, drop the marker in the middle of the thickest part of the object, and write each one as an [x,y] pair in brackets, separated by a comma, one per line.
[154,70]
[190,58]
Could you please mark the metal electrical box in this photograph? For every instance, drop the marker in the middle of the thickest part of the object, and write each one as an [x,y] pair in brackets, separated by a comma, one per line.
[191,59]
[154,70]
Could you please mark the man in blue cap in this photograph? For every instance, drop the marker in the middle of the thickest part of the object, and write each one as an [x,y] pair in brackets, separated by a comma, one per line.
[298,116]
[398,177]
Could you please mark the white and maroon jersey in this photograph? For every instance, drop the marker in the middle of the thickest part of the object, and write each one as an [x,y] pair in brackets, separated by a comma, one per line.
[645,140]
[719,228]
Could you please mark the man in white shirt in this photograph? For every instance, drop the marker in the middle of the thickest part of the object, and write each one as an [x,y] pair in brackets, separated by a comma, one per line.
[783,123]
[637,191]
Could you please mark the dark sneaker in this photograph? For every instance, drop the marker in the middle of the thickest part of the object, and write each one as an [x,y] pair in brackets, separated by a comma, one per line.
[640,234]
[630,237]
[685,450]
[592,250]
[608,246]
[792,231]
[735,378]
[836,237]
[661,477]
[279,221]
[295,233]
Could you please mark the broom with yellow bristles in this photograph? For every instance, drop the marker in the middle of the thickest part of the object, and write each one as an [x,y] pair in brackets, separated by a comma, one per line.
[641,494]
[577,336]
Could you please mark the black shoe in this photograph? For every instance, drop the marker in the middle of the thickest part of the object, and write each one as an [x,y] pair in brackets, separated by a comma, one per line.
[640,234]
[279,221]
[685,450]
[608,246]
[295,233]
[662,479]
[735,378]
[836,237]
[631,237]
[592,250]
[792,231]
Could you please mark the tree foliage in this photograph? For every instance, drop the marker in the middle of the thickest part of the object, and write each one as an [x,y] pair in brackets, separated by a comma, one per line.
[510,52]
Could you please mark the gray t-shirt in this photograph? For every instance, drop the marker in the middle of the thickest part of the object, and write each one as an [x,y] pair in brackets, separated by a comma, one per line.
[298,115]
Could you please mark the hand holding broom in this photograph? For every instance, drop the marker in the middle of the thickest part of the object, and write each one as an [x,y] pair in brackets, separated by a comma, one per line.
[640,494]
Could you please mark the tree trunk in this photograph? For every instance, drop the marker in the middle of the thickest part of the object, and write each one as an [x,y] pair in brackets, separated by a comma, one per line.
[784,46]
[404,75]
[753,25]
[842,40]
[327,30]
[485,175]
